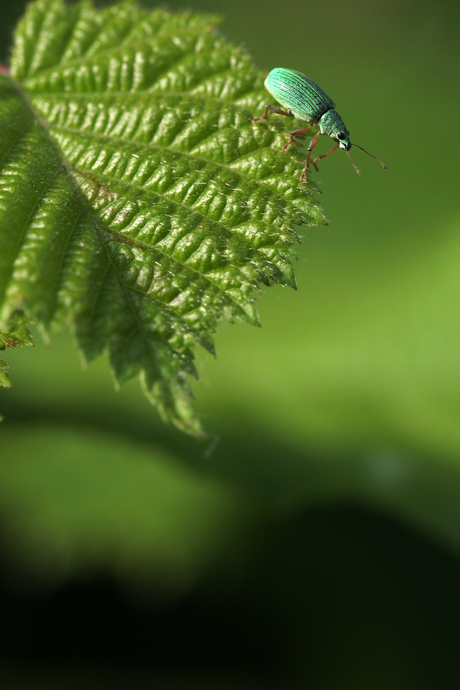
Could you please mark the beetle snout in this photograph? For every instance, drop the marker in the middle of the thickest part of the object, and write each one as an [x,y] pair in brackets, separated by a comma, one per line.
[343,140]
[343,144]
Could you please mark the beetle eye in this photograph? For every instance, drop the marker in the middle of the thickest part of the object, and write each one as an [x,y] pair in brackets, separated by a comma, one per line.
[341,136]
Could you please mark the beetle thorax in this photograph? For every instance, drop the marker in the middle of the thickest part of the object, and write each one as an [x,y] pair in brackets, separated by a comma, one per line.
[332,124]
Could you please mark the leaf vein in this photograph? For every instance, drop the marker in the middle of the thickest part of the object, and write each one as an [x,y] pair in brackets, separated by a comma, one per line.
[156,147]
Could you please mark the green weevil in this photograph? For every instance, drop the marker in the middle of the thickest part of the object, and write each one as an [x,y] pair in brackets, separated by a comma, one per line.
[305,100]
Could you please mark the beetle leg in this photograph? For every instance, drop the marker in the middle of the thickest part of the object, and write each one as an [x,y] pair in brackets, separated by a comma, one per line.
[274,109]
[311,146]
[296,134]
[324,156]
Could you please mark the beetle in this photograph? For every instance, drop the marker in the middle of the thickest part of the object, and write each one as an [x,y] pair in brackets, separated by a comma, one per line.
[305,100]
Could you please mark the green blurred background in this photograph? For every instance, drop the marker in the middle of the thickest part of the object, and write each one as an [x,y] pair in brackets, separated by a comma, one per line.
[313,542]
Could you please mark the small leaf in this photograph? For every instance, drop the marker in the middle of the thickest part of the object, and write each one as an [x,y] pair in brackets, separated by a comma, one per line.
[4,378]
[14,335]
[137,200]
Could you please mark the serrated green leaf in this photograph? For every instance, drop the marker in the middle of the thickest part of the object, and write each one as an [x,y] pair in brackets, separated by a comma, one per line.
[137,200]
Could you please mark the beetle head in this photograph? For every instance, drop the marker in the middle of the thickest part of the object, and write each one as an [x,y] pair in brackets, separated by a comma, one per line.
[332,124]
[344,139]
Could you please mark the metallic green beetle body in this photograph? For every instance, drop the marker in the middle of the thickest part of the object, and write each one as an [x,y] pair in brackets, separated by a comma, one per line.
[301,95]
[305,100]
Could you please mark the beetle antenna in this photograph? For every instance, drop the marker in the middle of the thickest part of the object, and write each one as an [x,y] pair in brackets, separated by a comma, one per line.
[355,166]
[370,154]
